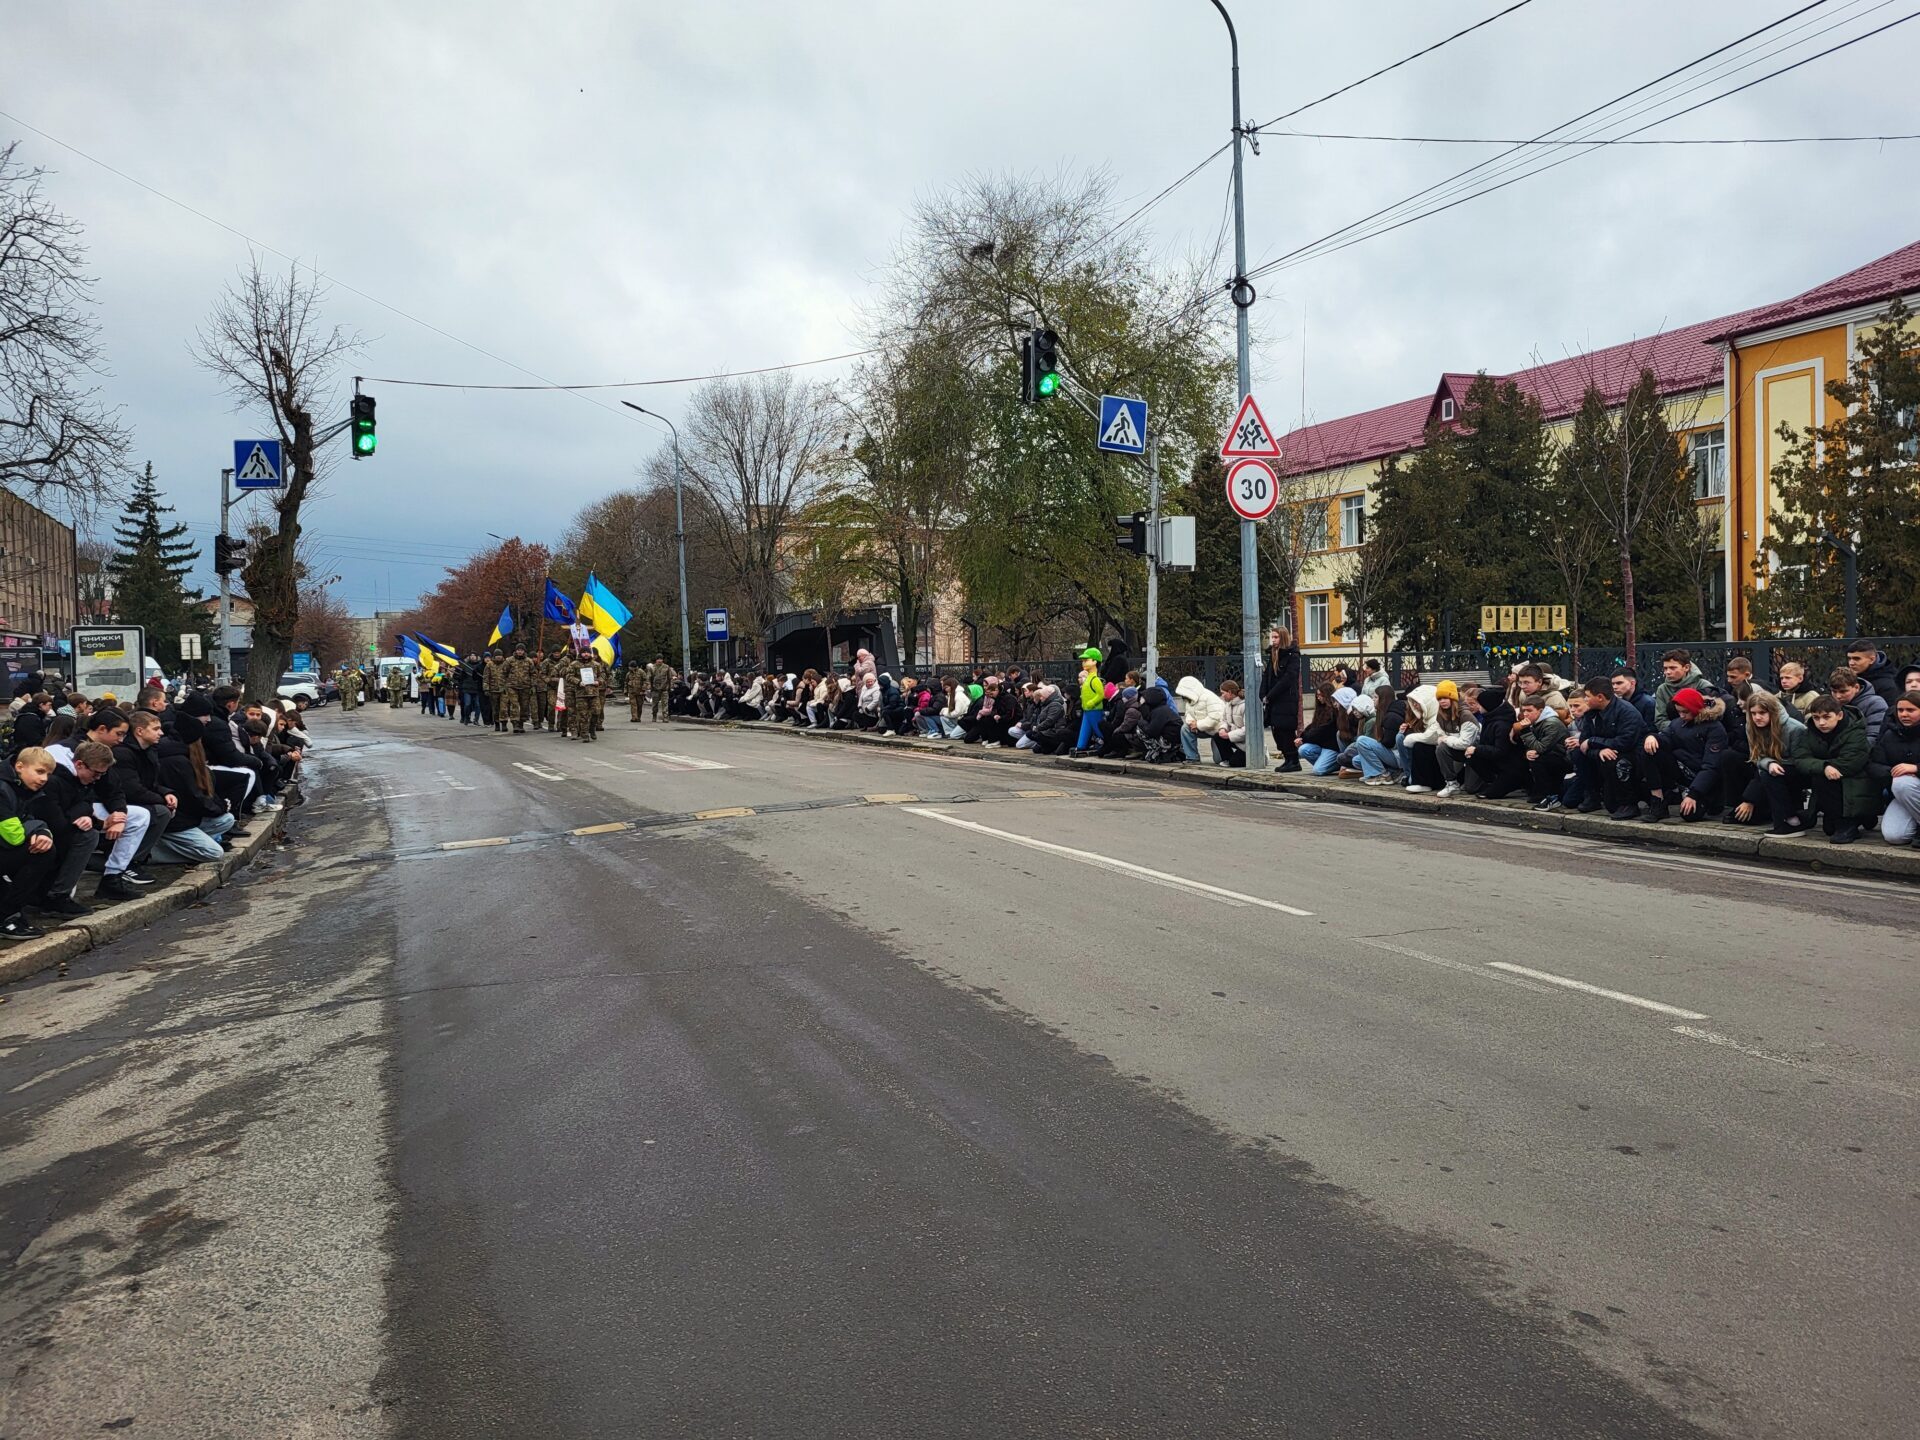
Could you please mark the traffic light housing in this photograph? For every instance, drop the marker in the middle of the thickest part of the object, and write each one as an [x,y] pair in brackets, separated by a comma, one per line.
[360,427]
[1132,536]
[1039,366]
[229,554]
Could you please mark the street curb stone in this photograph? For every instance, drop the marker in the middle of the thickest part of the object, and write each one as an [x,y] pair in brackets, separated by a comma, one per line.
[89,932]
[1869,857]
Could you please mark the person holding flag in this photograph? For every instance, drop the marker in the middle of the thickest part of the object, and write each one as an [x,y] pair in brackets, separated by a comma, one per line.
[502,627]
[605,614]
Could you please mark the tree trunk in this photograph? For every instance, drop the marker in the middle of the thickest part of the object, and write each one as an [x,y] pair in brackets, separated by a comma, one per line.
[1626,602]
[273,574]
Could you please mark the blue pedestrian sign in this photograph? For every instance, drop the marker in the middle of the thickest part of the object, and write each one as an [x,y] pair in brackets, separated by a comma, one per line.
[256,465]
[717,626]
[1123,425]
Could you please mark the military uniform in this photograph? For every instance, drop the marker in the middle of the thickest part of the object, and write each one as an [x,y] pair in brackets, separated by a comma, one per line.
[518,677]
[636,692]
[349,691]
[493,685]
[583,699]
[660,683]
[396,689]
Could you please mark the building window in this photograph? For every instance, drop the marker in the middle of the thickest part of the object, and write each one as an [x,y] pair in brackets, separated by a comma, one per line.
[1313,523]
[1446,409]
[1708,453]
[1353,521]
[1319,618]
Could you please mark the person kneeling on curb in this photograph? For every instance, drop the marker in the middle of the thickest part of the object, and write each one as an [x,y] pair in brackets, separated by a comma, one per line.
[1690,758]
[1834,762]
[1612,733]
[1895,766]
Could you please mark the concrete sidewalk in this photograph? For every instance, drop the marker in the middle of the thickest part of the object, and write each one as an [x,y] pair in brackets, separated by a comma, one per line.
[180,887]
[1869,856]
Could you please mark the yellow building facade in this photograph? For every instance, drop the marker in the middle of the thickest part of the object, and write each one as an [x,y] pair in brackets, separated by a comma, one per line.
[1728,385]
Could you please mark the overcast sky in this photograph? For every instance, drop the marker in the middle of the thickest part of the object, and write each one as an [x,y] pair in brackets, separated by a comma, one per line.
[614,191]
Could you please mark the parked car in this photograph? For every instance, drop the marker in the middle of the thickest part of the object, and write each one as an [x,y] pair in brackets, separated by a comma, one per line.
[295,683]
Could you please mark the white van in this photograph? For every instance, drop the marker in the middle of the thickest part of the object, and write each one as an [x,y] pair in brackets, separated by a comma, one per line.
[394,670]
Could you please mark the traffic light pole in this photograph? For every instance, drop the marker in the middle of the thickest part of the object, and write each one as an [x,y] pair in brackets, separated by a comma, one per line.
[1153,558]
[1256,743]
[223,661]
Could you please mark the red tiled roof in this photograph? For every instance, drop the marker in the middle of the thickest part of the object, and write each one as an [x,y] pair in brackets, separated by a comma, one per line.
[1882,279]
[1682,360]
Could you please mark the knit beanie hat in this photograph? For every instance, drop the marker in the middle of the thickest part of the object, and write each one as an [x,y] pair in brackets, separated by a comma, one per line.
[1689,700]
[1446,690]
[1343,697]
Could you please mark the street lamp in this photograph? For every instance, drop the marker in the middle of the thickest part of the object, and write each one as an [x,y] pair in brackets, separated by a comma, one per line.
[679,534]
[1243,296]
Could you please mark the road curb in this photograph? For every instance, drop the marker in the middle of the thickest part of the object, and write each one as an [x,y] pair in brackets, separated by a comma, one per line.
[1868,857]
[82,934]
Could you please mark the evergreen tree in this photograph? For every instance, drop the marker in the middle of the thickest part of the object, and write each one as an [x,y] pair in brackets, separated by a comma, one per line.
[1857,479]
[1462,513]
[150,569]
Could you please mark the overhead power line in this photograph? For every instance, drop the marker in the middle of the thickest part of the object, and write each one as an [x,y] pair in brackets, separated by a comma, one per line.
[1447,194]
[1385,69]
[622,384]
[1485,140]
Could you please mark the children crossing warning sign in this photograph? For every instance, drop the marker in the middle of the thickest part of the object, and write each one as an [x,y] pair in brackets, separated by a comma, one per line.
[1249,437]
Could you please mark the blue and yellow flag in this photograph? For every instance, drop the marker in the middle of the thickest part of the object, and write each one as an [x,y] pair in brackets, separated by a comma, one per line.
[601,609]
[559,608]
[502,627]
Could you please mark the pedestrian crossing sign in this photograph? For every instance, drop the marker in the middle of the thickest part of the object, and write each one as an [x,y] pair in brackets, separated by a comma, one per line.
[1123,425]
[256,465]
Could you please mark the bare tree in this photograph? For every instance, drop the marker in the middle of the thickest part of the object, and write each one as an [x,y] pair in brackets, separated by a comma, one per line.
[755,453]
[1573,537]
[55,432]
[1691,535]
[1363,573]
[276,356]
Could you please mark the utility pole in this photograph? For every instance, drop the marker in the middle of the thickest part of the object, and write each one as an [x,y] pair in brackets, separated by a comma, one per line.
[1153,558]
[1243,297]
[223,662]
[679,534]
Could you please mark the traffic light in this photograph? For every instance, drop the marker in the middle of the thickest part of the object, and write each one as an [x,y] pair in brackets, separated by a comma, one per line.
[1039,366]
[228,554]
[360,426]
[1133,532]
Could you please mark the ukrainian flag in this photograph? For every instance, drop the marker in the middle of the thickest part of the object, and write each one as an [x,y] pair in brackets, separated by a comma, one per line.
[502,627]
[601,609]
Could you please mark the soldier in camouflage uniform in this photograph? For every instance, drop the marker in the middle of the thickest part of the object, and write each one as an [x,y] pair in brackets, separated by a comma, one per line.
[493,686]
[517,684]
[583,698]
[660,684]
[636,692]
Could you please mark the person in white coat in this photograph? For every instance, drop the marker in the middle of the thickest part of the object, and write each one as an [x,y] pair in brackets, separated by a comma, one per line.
[1230,740]
[1203,712]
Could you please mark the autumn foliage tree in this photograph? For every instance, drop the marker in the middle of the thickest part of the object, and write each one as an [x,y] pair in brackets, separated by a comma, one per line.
[461,610]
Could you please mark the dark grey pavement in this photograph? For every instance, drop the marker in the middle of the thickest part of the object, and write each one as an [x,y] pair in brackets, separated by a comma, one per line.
[853,1121]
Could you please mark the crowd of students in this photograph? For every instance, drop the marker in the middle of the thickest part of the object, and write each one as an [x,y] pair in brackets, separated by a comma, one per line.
[1836,758]
[115,787]
[1802,758]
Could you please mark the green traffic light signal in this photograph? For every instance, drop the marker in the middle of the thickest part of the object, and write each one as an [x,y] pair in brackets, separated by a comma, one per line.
[360,419]
[1049,382]
[364,440]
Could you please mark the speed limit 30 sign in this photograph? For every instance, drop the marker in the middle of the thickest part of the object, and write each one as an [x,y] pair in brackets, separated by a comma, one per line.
[1252,489]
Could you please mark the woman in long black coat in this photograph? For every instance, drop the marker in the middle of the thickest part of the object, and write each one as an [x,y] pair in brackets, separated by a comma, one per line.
[1280,698]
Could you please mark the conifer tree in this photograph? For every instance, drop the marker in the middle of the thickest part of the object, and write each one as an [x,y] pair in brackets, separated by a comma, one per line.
[149,569]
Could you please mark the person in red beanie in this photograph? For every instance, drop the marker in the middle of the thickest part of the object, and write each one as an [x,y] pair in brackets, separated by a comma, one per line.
[1690,762]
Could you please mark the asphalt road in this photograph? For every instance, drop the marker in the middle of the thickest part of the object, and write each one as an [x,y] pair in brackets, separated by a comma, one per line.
[939,1097]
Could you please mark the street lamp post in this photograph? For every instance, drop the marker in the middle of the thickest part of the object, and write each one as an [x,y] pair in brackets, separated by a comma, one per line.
[679,534]
[1243,296]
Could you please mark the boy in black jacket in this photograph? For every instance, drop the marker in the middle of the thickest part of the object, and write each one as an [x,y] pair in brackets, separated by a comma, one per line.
[26,842]
[1611,735]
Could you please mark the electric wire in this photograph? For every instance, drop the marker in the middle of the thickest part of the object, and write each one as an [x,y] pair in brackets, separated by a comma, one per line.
[1386,69]
[1489,140]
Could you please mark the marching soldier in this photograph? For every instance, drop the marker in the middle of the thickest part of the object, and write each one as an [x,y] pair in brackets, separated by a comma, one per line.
[493,685]
[659,684]
[517,678]
[636,692]
[583,695]
[396,688]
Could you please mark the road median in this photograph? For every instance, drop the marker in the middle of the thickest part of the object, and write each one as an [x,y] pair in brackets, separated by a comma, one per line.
[110,922]
[1870,856]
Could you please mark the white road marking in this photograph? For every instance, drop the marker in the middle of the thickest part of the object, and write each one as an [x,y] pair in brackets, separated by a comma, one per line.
[536,770]
[1446,964]
[1108,862]
[684,762]
[1727,1042]
[452,784]
[623,769]
[1584,988]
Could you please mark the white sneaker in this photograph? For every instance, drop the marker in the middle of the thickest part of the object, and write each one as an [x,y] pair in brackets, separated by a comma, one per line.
[1419,789]
[1452,787]
[1377,780]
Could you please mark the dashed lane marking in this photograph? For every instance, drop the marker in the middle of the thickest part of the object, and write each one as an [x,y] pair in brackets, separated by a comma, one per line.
[1458,965]
[475,844]
[536,770]
[684,762]
[1584,988]
[1108,862]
